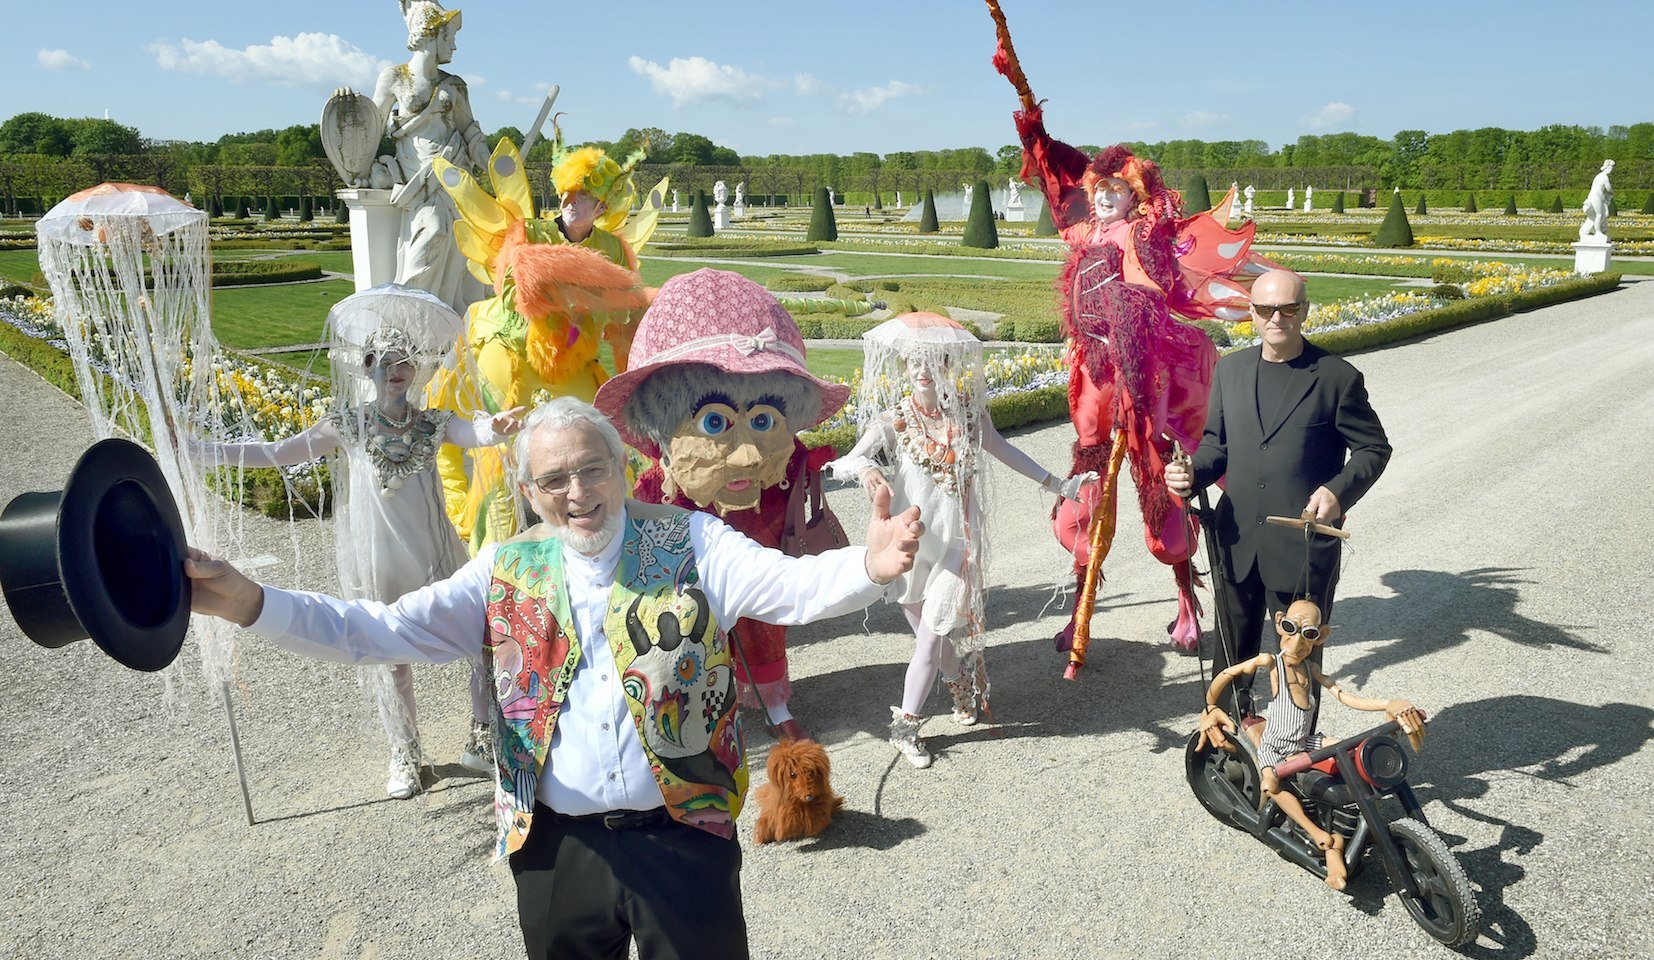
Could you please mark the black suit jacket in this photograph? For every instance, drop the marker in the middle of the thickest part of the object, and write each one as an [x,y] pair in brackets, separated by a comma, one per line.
[1272,468]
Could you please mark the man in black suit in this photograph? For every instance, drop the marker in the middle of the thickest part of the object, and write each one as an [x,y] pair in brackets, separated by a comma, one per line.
[1282,417]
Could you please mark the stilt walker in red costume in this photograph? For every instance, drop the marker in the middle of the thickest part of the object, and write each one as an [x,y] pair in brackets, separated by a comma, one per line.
[1140,377]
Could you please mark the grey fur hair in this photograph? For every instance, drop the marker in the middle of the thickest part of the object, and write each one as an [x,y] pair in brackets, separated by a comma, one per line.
[559,414]
[664,398]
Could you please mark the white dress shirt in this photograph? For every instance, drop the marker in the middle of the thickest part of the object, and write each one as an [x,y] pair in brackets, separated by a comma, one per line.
[596,761]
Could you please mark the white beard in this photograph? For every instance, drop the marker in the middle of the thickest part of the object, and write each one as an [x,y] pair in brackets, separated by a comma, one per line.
[589,544]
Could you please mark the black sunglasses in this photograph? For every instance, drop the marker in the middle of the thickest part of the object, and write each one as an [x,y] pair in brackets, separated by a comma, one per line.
[1263,311]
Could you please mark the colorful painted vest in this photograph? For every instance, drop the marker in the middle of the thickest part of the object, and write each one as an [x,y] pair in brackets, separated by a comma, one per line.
[674,664]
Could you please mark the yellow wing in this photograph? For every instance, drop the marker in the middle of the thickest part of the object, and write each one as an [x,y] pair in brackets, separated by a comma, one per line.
[510,177]
[637,230]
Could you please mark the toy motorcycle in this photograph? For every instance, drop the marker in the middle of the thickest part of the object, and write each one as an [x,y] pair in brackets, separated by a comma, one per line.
[1349,802]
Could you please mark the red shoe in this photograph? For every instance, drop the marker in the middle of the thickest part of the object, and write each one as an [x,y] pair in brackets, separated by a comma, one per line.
[791,729]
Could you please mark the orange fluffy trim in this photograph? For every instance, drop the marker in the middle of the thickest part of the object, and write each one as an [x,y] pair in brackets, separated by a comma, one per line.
[563,278]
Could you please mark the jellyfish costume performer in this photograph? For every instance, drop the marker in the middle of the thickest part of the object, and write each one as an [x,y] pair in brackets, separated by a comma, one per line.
[1141,378]
[130,278]
[391,527]
[926,433]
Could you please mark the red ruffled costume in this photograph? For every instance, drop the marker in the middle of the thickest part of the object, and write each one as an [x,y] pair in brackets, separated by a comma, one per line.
[764,645]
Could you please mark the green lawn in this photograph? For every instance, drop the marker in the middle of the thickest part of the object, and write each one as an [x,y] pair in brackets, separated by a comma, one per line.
[250,317]
[334,261]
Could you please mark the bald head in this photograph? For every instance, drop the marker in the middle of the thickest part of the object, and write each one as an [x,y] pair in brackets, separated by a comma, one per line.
[1278,286]
[1279,304]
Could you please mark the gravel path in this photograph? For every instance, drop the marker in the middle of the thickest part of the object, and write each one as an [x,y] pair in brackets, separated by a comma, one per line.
[1497,578]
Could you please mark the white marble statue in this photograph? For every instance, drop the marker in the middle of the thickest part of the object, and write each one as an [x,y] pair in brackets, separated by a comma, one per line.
[1249,193]
[1015,197]
[1596,206]
[969,189]
[427,114]
[1291,198]
[674,200]
[898,199]
[720,213]
[1309,199]
[740,200]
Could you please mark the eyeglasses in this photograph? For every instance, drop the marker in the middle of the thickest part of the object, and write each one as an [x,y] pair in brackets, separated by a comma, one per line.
[1308,631]
[557,483]
[1263,311]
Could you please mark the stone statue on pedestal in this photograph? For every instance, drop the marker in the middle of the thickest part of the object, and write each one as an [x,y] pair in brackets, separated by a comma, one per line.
[1597,203]
[720,213]
[426,111]
[1291,198]
[1309,199]
[1250,192]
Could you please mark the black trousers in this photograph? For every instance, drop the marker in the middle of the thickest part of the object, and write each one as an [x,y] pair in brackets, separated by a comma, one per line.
[1251,616]
[584,891]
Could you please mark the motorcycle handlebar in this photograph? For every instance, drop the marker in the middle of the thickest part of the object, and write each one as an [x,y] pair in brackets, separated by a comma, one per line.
[1304,761]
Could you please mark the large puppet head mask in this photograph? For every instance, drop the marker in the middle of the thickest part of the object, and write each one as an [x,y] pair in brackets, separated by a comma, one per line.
[717,388]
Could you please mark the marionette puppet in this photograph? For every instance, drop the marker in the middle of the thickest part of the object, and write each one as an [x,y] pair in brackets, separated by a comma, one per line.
[1288,726]
[1140,378]
[562,286]
[926,434]
[717,392]
[390,526]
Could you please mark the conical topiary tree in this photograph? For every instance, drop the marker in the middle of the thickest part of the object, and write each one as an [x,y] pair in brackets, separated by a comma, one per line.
[927,213]
[1197,196]
[307,210]
[700,218]
[1510,206]
[269,208]
[1423,208]
[823,226]
[341,212]
[1046,227]
[1338,202]
[1395,231]
[878,200]
[1470,202]
[980,231]
[1556,203]
[1648,205]
[216,207]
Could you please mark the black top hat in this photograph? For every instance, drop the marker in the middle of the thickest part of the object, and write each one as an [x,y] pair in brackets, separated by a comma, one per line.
[102,558]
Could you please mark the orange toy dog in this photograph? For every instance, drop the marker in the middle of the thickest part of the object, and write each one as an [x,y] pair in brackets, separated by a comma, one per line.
[798,801]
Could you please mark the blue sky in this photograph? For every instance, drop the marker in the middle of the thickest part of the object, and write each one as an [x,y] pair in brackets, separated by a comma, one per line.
[790,77]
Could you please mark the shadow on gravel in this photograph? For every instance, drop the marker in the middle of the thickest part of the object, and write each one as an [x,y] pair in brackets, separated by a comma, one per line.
[1539,738]
[855,830]
[1434,610]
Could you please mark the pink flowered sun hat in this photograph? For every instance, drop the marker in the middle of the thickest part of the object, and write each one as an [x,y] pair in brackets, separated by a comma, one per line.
[718,318]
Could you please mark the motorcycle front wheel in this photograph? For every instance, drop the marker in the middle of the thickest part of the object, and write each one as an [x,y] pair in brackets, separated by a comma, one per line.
[1446,907]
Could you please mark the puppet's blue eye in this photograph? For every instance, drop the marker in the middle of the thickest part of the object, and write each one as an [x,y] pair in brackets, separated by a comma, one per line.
[713,423]
[762,422]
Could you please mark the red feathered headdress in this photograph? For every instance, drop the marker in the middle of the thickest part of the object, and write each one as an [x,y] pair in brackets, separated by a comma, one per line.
[1156,201]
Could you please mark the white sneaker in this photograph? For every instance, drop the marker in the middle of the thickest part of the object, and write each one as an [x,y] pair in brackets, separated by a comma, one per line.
[404,780]
[478,755]
[904,736]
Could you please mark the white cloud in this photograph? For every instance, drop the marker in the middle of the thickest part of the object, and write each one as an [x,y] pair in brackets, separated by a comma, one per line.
[783,122]
[869,99]
[308,59]
[805,84]
[1200,118]
[509,97]
[697,78]
[60,60]
[1331,115]
[474,80]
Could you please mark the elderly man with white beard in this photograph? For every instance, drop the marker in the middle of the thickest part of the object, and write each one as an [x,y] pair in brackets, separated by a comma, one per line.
[620,765]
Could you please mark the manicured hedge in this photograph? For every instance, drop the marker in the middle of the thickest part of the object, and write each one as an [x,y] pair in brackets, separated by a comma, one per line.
[1009,411]
[730,247]
[234,273]
[1462,313]
[798,283]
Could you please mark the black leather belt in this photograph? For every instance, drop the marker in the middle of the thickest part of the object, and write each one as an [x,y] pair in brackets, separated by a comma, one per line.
[622,819]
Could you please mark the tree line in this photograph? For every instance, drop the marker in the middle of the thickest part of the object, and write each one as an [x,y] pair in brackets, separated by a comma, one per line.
[44,157]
